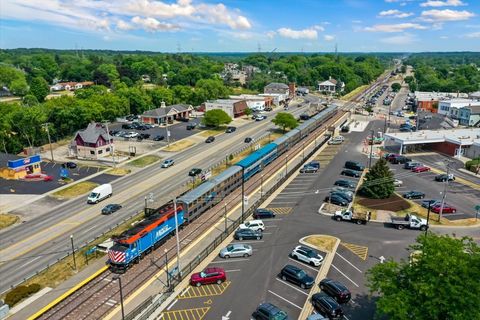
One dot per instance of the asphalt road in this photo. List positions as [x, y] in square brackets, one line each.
[29, 247]
[254, 280]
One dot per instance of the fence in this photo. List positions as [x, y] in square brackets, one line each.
[149, 305]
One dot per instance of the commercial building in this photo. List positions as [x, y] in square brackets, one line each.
[469, 116]
[19, 168]
[92, 143]
[429, 101]
[166, 114]
[277, 88]
[255, 102]
[454, 142]
[451, 107]
[234, 108]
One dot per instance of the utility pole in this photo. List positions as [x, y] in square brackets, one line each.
[166, 269]
[225, 215]
[45, 125]
[112, 153]
[243, 192]
[286, 165]
[121, 294]
[445, 189]
[168, 133]
[428, 217]
[176, 235]
[73, 253]
[371, 149]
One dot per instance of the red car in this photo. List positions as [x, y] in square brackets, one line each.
[420, 169]
[47, 178]
[391, 156]
[208, 276]
[446, 209]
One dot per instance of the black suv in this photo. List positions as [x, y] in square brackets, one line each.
[344, 195]
[230, 129]
[261, 213]
[354, 165]
[210, 139]
[414, 195]
[345, 184]
[194, 172]
[336, 290]
[326, 305]
[297, 276]
[444, 177]
[248, 234]
[400, 159]
[351, 173]
[268, 311]
[337, 200]
[111, 208]
[191, 126]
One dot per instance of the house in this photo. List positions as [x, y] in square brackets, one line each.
[57, 87]
[277, 88]
[451, 107]
[92, 143]
[166, 114]
[70, 86]
[4, 92]
[331, 86]
[302, 91]
[234, 108]
[474, 95]
[469, 116]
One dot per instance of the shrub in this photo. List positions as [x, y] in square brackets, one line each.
[21, 292]
[472, 164]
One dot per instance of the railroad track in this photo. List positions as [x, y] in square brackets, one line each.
[100, 296]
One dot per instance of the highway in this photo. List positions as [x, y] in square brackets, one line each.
[29, 247]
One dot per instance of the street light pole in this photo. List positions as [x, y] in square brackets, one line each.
[445, 190]
[428, 217]
[49, 140]
[176, 234]
[73, 253]
[225, 215]
[166, 269]
[112, 152]
[145, 209]
[121, 294]
[261, 186]
[286, 165]
[303, 151]
[371, 149]
[243, 193]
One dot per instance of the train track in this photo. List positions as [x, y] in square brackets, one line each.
[100, 296]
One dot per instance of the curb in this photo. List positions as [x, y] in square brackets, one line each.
[327, 262]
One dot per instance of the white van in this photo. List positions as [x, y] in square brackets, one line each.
[99, 193]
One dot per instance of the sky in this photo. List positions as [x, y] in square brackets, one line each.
[242, 25]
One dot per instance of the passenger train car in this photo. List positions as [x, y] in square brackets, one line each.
[133, 244]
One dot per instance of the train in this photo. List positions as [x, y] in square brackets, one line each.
[133, 244]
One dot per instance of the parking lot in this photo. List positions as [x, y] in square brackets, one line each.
[253, 280]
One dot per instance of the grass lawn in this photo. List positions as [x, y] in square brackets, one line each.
[7, 220]
[75, 190]
[212, 132]
[119, 171]
[179, 145]
[323, 243]
[144, 161]
[351, 94]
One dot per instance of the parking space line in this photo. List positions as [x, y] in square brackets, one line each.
[279, 296]
[338, 254]
[303, 264]
[234, 270]
[343, 274]
[170, 306]
[228, 261]
[288, 284]
[197, 314]
[256, 241]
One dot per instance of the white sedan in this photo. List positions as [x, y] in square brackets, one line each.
[397, 183]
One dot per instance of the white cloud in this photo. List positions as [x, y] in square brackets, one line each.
[319, 28]
[309, 33]
[473, 35]
[446, 15]
[151, 15]
[399, 27]
[270, 34]
[404, 39]
[403, 1]
[152, 24]
[395, 14]
[437, 3]
[328, 37]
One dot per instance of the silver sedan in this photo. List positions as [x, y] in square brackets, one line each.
[236, 250]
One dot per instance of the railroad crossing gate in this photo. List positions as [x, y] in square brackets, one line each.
[186, 314]
[360, 251]
[204, 291]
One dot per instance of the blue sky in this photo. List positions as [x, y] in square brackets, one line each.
[242, 25]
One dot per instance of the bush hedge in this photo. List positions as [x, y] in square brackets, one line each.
[21, 292]
[472, 164]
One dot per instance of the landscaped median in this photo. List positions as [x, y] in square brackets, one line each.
[75, 190]
[144, 161]
[180, 145]
[329, 245]
[7, 220]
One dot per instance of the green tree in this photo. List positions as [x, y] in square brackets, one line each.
[396, 86]
[285, 120]
[106, 74]
[216, 118]
[378, 182]
[29, 100]
[19, 87]
[403, 69]
[248, 111]
[39, 88]
[441, 281]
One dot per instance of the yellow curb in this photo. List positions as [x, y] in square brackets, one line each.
[458, 179]
[327, 262]
[68, 293]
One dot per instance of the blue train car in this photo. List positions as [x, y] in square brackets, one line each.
[258, 160]
[134, 243]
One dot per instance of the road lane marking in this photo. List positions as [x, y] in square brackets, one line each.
[343, 274]
[338, 254]
[228, 261]
[234, 270]
[171, 305]
[279, 296]
[294, 288]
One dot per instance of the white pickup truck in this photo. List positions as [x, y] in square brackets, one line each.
[409, 221]
[348, 215]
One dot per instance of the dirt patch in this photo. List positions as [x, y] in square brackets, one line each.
[394, 203]
[75, 190]
[323, 243]
[331, 208]
[179, 145]
[7, 220]
[119, 171]
[144, 161]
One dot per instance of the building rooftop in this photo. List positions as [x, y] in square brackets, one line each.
[230, 101]
[276, 85]
[427, 96]
[457, 136]
[162, 111]
[247, 97]
[462, 100]
[92, 132]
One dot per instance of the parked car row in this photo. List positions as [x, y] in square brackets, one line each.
[342, 193]
[373, 99]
